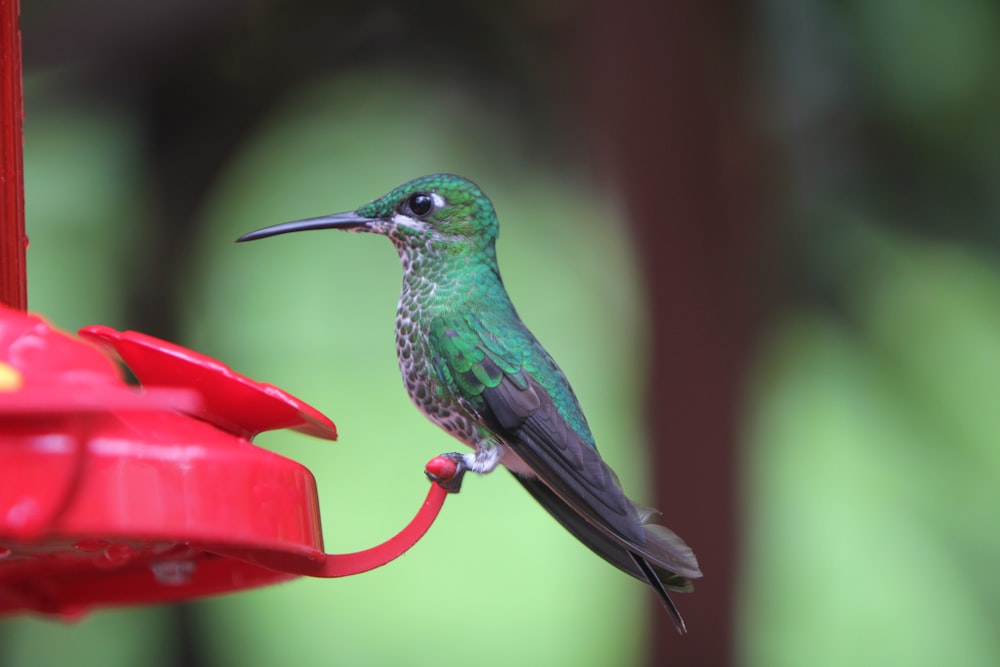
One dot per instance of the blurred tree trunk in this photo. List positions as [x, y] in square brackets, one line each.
[662, 82]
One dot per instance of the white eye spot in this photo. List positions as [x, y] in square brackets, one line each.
[403, 221]
[438, 200]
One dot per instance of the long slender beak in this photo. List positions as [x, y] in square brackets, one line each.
[349, 220]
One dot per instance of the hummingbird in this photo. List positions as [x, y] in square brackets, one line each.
[473, 368]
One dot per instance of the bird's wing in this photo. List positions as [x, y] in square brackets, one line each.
[520, 394]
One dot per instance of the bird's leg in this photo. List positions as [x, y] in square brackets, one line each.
[482, 461]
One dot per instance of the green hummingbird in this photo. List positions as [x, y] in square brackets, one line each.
[473, 368]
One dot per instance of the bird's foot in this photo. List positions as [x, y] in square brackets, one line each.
[447, 471]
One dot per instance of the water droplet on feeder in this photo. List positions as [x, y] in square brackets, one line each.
[91, 544]
[115, 555]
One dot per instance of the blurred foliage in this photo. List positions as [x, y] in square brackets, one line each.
[872, 467]
[113, 637]
[83, 183]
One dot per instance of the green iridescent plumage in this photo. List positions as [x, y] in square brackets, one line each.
[471, 366]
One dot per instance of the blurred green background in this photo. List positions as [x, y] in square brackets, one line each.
[866, 493]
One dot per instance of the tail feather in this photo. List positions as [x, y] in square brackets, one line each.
[658, 586]
[668, 550]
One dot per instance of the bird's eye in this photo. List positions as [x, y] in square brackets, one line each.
[420, 204]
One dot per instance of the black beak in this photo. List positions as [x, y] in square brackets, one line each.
[336, 221]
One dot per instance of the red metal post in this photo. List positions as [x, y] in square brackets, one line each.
[13, 241]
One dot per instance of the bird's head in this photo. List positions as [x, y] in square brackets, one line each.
[440, 212]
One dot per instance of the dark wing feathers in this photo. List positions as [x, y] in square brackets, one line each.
[489, 367]
[510, 403]
[594, 486]
[567, 463]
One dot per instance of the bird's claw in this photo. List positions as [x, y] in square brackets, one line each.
[447, 471]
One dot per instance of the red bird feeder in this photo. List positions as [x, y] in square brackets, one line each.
[113, 495]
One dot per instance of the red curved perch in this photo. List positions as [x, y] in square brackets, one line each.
[361, 561]
[325, 565]
[369, 559]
